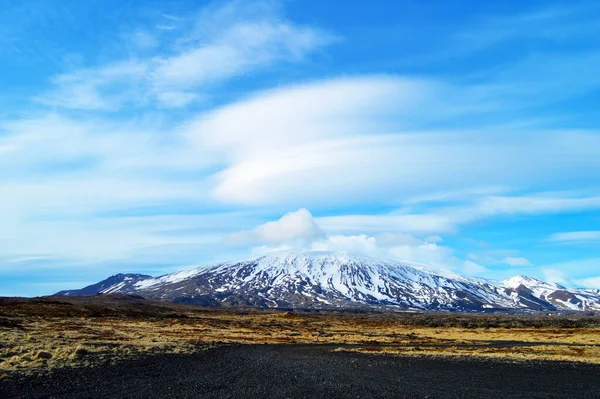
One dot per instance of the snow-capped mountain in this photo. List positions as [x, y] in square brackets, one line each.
[557, 295]
[341, 280]
[113, 284]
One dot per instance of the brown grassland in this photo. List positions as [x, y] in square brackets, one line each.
[40, 334]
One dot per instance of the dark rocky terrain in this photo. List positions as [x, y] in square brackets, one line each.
[124, 346]
[310, 371]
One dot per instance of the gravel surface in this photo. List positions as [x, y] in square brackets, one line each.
[309, 371]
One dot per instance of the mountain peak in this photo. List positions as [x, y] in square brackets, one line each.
[529, 282]
[341, 280]
[313, 255]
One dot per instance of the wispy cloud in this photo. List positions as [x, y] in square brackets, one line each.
[153, 154]
[575, 236]
[450, 219]
[104, 88]
[222, 42]
[360, 131]
[530, 58]
[552, 23]
[516, 261]
[554, 275]
[590, 282]
[573, 272]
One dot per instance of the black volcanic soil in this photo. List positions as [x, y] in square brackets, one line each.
[309, 371]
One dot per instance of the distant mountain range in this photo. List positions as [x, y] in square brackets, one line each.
[335, 280]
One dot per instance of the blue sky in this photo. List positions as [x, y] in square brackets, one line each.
[150, 136]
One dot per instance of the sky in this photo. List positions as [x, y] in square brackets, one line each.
[153, 136]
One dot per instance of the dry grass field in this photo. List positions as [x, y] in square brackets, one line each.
[42, 334]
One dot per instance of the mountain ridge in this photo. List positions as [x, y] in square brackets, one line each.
[339, 280]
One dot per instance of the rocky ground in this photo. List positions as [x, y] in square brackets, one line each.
[126, 346]
[310, 371]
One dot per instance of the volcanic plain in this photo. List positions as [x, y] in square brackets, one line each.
[41, 334]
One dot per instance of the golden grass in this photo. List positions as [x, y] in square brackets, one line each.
[42, 343]
[515, 353]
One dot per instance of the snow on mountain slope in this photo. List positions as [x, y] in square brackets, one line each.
[559, 296]
[114, 284]
[341, 280]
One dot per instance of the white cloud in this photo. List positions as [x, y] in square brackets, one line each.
[62, 168]
[575, 236]
[326, 144]
[345, 141]
[104, 88]
[316, 112]
[175, 99]
[387, 240]
[411, 250]
[450, 219]
[412, 223]
[576, 268]
[70, 187]
[434, 239]
[267, 249]
[427, 254]
[361, 244]
[555, 275]
[236, 49]
[229, 40]
[590, 282]
[470, 267]
[535, 204]
[299, 230]
[516, 261]
[297, 226]
[457, 196]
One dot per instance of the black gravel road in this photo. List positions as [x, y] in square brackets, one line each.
[309, 371]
